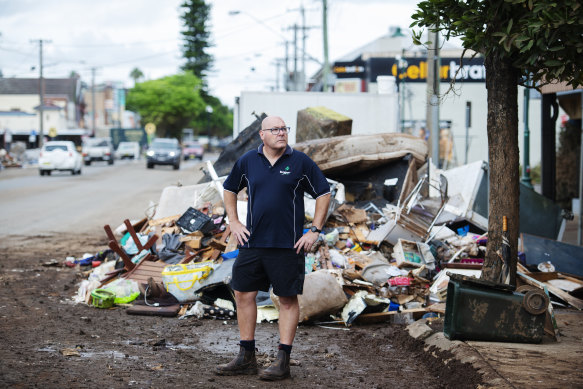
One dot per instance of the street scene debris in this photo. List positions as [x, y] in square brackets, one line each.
[402, 238]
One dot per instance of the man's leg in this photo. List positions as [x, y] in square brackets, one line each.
[245, 362]
[289, 314]
[246, 314]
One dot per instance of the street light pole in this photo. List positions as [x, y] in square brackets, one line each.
[526, 156]
[209, 111]
[93, 101]
[325, 70]
[42, 95]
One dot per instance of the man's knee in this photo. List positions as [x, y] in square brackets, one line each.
[245, 298]
[288, 302]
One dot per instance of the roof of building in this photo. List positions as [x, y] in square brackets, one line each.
[49, 107]
[16, 113]
[30, 86]
[397, 42]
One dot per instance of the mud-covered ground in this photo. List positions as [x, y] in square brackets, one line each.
[50, 342]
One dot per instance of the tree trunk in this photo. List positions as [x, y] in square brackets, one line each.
[502, 86]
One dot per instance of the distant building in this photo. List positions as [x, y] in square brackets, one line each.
[20, 106]
[110, 108]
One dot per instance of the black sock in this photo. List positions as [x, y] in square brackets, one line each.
[248, 345]
[285, 347]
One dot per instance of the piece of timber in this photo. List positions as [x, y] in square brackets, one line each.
[127, 262]
[216, 253]
[378, 317]
[163, 220]
[137, 241]
[573, 301]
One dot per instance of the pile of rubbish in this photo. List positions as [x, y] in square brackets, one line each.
[397, 229]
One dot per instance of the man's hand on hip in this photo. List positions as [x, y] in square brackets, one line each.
[240, 232]
[306, 241]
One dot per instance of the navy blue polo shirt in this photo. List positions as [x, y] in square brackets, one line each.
[275, 209]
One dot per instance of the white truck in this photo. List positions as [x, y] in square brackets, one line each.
[371, 113]
[98, 149]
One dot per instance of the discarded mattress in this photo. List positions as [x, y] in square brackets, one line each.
[354, 153]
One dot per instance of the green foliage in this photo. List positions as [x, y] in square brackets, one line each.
[541, 38]
[176, 102]
[196, 37]
[170, 102]
[535, 174]
[218, 122]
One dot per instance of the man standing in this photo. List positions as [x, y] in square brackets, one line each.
[7, 140]
[271, 244]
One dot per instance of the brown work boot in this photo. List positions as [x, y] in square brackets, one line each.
[278, 370]
[244, 363]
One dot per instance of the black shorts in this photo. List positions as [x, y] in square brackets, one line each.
[257, 268]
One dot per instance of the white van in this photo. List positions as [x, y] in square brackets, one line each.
[128, 150]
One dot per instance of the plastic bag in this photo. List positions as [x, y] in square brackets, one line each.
[125, 290]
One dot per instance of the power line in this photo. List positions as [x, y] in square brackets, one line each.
[15, 51]
[136, 59]
[89, 46]
[125, 44]
[245, 53]
[246, 26]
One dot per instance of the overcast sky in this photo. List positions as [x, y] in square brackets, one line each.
[116, 36]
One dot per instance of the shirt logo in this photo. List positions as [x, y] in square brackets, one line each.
[285, 171]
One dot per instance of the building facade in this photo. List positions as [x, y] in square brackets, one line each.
[20, 107]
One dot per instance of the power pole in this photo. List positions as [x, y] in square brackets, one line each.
[432, 113]
[285, 79]
[278, 63]
[525, 179]
[93, 101]
[468, 125]
[304, 36]
[295, 27]
[41, 94]
[325, 70]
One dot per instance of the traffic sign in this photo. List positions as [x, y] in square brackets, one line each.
[150, 128]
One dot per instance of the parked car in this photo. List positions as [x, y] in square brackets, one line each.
[164, 151]
[98, 149]
[224, 142]
[192, 149]
[59, 155]
[128, 150]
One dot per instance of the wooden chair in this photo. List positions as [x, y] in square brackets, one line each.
[114, 245]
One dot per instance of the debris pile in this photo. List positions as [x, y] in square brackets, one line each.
[396, 230]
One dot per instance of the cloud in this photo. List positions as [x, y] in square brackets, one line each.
[248, 48]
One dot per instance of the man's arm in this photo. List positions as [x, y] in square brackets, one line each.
[308, 239]
[237, 228]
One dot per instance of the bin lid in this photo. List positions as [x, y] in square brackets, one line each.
[480, 283]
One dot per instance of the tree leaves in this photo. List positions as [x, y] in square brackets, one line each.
[168, 102]
[196, 37]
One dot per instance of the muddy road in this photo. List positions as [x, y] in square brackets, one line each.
[50, 342]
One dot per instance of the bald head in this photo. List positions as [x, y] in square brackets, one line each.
[271, 122]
